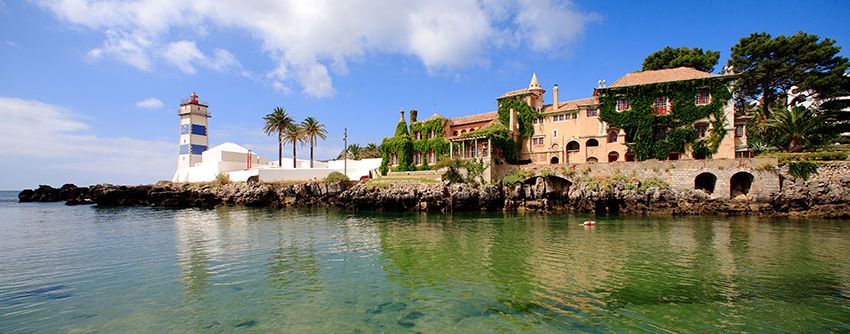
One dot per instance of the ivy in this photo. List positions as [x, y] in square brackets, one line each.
[500, 139]
[404, 144]
[525, 115]
[640, 122]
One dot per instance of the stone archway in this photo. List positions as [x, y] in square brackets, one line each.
[554, 161]
[613, 156]
[705, 182]
[592, 159]
[740, 184]
[573, 146]
[592, 143]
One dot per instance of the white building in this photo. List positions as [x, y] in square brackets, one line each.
[197, 163]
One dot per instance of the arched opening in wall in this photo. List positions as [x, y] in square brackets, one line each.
[613, 156]
[630, 156]
[554, 160]
[592, 159]
[572, 146]
[740, 184]
[705, 182]
[592, 143]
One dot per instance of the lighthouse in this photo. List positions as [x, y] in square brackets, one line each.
[193, 135]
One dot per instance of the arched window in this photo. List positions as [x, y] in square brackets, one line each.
[612, 136]
[613, 156]
[592, 159]
[572, 146]
[630, 156]
[554, 160]
[592, 143]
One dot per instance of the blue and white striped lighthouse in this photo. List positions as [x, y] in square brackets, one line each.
[193, 134]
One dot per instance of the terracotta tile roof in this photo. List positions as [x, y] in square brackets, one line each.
[487, 116]
[515, 93]
[657, 76]
[571, 104]
[434, 116]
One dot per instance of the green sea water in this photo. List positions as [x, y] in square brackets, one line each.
[149, 270]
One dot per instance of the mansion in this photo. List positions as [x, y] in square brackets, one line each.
[669, 114]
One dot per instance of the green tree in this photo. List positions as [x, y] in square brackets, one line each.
[277, 121]
[769, 67]
[372, 151]
[313, 130]
[355, 152]
[293, 134]
[797, 128]
[677, 57]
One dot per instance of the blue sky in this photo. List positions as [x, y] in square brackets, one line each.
[89, 89]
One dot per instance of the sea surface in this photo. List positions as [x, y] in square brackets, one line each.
[85, 269]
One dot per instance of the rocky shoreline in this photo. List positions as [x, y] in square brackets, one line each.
[826, 195]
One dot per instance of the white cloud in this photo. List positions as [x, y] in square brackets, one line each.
[310, 41]
[52, 138]
[185, 55]
[149, 103]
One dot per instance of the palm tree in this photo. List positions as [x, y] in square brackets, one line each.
[277, 121]
[313, 130]
[354, 151]
[372, 151]
[797, 127]
[293, 134]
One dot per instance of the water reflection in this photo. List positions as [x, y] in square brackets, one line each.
[623, 273]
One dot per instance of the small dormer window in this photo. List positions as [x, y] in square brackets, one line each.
[622, 104]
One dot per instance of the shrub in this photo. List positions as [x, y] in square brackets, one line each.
[766, 166]
[811, 156]
[222, 178]
[335, 177]
[652, 182]
[802, 169]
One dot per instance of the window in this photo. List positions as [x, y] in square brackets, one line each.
[432, 156]
[592, 112]
[394, 159]
[661, 105]
[702, 97]
[417, 158]
[739, 130]
[555, 133]
[660, 132]
[612, 136]
[592, 143]
[537, 141]
[455, 132]
[702, 131]
[536, 121]
[572, 146]
[559, 118]
[418, 135]
[431, 135]
[622, 104]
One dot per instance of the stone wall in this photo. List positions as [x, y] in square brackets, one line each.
[679, 174]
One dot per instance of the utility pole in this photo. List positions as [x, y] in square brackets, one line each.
[345, 152]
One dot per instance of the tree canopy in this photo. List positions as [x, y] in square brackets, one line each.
[669, 57]
[770, 66]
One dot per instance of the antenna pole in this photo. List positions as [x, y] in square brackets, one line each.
[345, 152]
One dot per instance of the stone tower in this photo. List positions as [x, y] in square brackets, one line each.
[193, 135]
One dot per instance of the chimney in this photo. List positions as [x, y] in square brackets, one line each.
[513, 116]
[401, 119]
[555, 93]
[413, 114]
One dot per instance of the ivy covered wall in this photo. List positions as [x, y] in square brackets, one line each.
[641, 123]
[404, 144]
